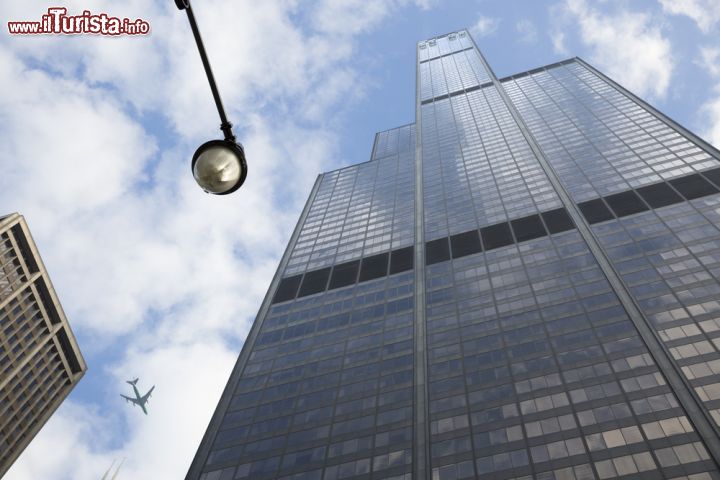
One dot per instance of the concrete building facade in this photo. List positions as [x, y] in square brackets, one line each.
[40, 362]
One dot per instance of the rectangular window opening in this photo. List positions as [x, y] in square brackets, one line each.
[595, 211]
[558, 220]
[314, 282]
[374, 267]
[344, 274]
[402, 260]
[626, 203]
[693, 186]
[287, 289]
[528, 228]
[437, 251]
[659, 195]
[496, 236]
[466, 243]
[713, 175]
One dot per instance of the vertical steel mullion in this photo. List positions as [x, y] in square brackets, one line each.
[421, 450]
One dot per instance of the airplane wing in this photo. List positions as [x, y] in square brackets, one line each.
[145, 397]
[133, 400]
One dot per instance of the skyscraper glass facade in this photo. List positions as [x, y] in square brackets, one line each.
[522, 284]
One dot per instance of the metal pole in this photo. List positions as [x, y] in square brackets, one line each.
[225, 125]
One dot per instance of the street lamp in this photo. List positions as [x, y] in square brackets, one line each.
[218, 165]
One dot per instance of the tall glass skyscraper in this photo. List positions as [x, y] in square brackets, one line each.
[525, 283]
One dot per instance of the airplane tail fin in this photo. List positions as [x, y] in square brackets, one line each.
[133, 382]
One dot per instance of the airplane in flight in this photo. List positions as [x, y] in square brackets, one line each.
[139, 400]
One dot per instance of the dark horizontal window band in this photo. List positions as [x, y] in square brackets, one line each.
[401, 260]
[467, 243]
[374, 267]
[626, 203]
[595, 211]
[616, 205]
[558, 220]
[437, 251]
[498, 235]
[344, 274]
[446, 55]
[713, 175]
[656, 195]
[660, 195]
[528, 228]
[287, 289]
[693, 186]
[456, 93]
[314, 282]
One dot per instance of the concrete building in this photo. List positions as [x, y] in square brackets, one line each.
[40, 361]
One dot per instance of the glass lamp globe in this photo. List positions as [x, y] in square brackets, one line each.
[219, 166]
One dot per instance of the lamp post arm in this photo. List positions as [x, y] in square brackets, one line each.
[225, 124]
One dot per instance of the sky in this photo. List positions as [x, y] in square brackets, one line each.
[162, 281]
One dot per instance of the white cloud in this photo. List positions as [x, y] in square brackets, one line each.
[78, 442]
[351, 17]
[710, 60]
[527, 32]
[710, 111]
[626, 45]
[101, 142]
[140, 256]
[84, 433]
[705, 13]
[558, 42]
[112, 247]
[484, 26]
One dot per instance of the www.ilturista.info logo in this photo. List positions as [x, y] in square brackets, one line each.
[57, 21]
